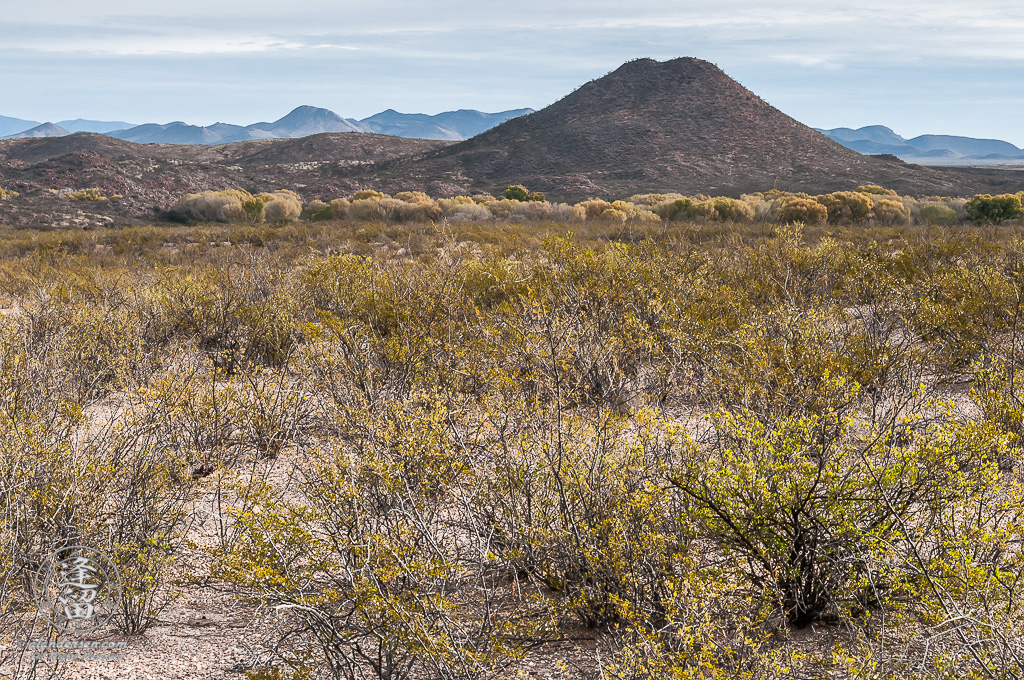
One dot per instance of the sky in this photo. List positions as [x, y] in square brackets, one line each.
[918, 67]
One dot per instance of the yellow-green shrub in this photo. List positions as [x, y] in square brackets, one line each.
[90, 195]
[281, 206]
[786, 209]
[724, 209]
[614, 216]
[314, 208]
[994, 209]
[501, 208]
[472, 212]
[370, 208]
[890, 213]
[447, 204]
[846, 207]
[366, 194]
[219, 206]
[652, 200]
[875, 190]
[594, 208]
[673, 209]
[413, 197]
[938, 214]
[339, 208]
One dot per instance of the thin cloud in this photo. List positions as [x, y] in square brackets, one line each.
[175, 45]
[918, 61]
[807, 60]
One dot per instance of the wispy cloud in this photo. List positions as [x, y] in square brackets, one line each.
[806, 60]
[800, 32]
[922, 61]
[170, 45]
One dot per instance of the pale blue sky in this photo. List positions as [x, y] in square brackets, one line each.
[918, 67]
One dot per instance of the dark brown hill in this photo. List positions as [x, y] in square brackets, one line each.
[333, 147]
[47, 148]
[151, 177]
[327, 146]
[680, 125]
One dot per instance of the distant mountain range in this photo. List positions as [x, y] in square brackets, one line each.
[101, 126]
[648, 127]
[927, 149]
[452, 125]
[302, 122]
[11, 126]
[44, 130]
[16, 128]
[465, 124]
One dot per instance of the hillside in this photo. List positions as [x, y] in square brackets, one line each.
[680, 125]
[151, 177]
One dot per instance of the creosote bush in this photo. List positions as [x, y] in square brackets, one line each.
[869, 205]
[281, 206]
[789, 209]
[890, 213]
[875, 190]
[724, 209]
[93, 195]
[941, 215]
[449, 438]
[517, 192]
[214, 206]
[846, 207]
[994, 209]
